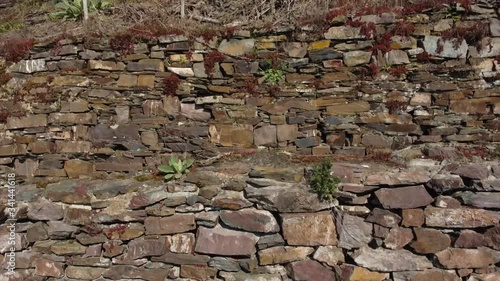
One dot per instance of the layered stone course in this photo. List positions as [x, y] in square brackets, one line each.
[125, 229]
[109, 109]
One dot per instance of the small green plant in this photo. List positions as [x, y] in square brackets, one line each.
[323, 182]
[4, 27]
[273, 76]
[73, 9]
[452, 12]
[176, 167]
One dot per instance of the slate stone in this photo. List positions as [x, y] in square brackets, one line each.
[286, 199]
[353, 231]
[355, 58]
[460, 218]
[432, 274]
[67, 247]
[283, 254]
[383, 218]
[442, 183]
[225, 242]
[360, 273]
[483, 200]
[147, 198]
[309, 229]
[413, 217]
[401, 178]
[45, 210]
[271, 240]
[29, 66]
[329, 255]
[492, 237]
[469, 239]
[242, 276]
[180, 259]
[236, 47]
[404, 197]
[431, 44]
[233, 200]
[428, 241]
[390, 260]
[224, 264]
[310, 270]
[251, 220]
[60, 230]
[83, 273]
[119, 272]
[169, 225]
[398, 237]
[37, 232]
[48, 268]
[447, 202]
[265, 136]
[456, 258]
[198, 272]
[472, 171]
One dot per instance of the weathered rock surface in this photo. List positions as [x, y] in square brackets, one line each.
[465, 258]
[250, 220]
[460, 218]
[390, 260]
[403, 197]
[281, 255]
[309, 229]
[353, 231]
[221, 241]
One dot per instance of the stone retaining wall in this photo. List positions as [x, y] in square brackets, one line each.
[235, 222]
[96, 110]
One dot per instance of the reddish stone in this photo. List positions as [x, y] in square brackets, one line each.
[430, 241]
[221, 241]
[383, 218]
[469, 239]
[398, 237]
[447, 202]
[453, 258]
[140, 248]
[251, 220]
[49, 268]
[310, 270]
[472, 171]
[45, 211]
[492, 237]
[169, 225]
[403, 197]
[413, 217]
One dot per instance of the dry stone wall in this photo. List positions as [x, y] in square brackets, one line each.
[241, 222]
[379, 81]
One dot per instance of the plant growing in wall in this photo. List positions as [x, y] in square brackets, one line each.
[176, 167]
[322, 181]
[273, 76]
[171, 84]
[73, 9]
